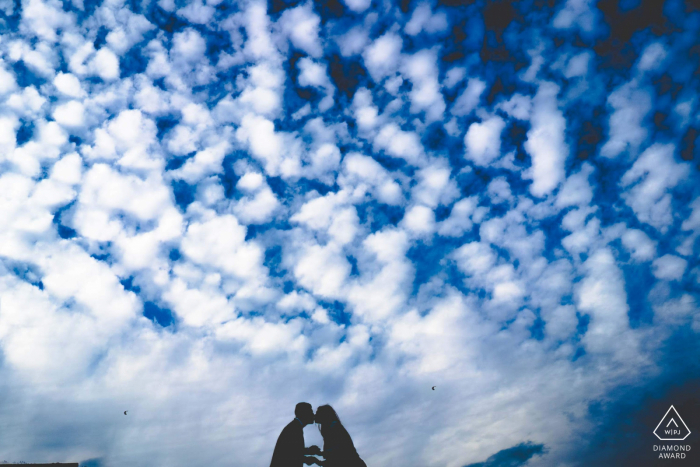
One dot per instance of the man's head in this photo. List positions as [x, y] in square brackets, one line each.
[304, 413]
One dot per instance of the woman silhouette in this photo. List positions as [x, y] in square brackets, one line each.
[338, 449]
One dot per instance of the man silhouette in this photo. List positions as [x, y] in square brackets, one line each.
[290, 450]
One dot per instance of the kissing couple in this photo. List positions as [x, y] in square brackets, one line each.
[338, 450]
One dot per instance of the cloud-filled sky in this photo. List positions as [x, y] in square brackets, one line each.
[213, 210]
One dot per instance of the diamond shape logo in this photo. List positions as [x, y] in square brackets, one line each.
[672, 427]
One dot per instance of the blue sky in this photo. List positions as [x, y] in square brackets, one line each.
[212, 211]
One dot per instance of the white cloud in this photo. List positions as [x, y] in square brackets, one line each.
[648, 181]
[483, 141]
[257, 25]
[43, 19]
[583, 234]
[434, 185]
[576, 190]
[323, 270]
[189, 45]
[626, 132]
[126, 137]
[199, 306]
[220, 243]
[510, 232]
[419, 220]
[45, 147]
[422, 336]
[268, 146]
[669, 267]
[475, 258]
[71, 114]
[499, 190]
[330, 214]
[150, 99]
[105, 64]
[128, 33]
[353, 42]
[454, 76]
[693, 222]
[358, 6]
[580, 13]
[578, 65]
[7, 7]
[68, 169]
[297, 301]
[262, 93]
[260, 204]
[324, 162]
[652, 57]
[205, 162]
[672, 311]
[301, 25]
[518, 106]
[265, 338]
[381, 292]
[314, 74]
[398, 143]
[468, 98]
[460, 220]
[382, 56]
[392, 86]
[561, 322]
[576, 218]
[28, 103]
[366, 114]
[601, 294]
[251, 181]
[423, 19]
[640, 246]
[105, 188]
[421, 69]
[545, 141]
[41, 57]
[197, 12]
[362, 173]
[7, 81]
[8, 137]
[69, 85]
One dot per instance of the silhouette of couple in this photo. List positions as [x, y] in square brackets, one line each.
[338, 450]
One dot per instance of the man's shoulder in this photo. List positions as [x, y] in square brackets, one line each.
[294, 425]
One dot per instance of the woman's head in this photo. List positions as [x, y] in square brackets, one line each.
[325, 415]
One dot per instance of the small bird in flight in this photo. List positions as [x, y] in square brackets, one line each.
[125, 412]
[433, 388]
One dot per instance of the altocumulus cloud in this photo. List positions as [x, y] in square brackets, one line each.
[213, 210]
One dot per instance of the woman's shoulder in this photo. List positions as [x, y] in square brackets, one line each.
[335, 427]
[337, 432]
[340, 429]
